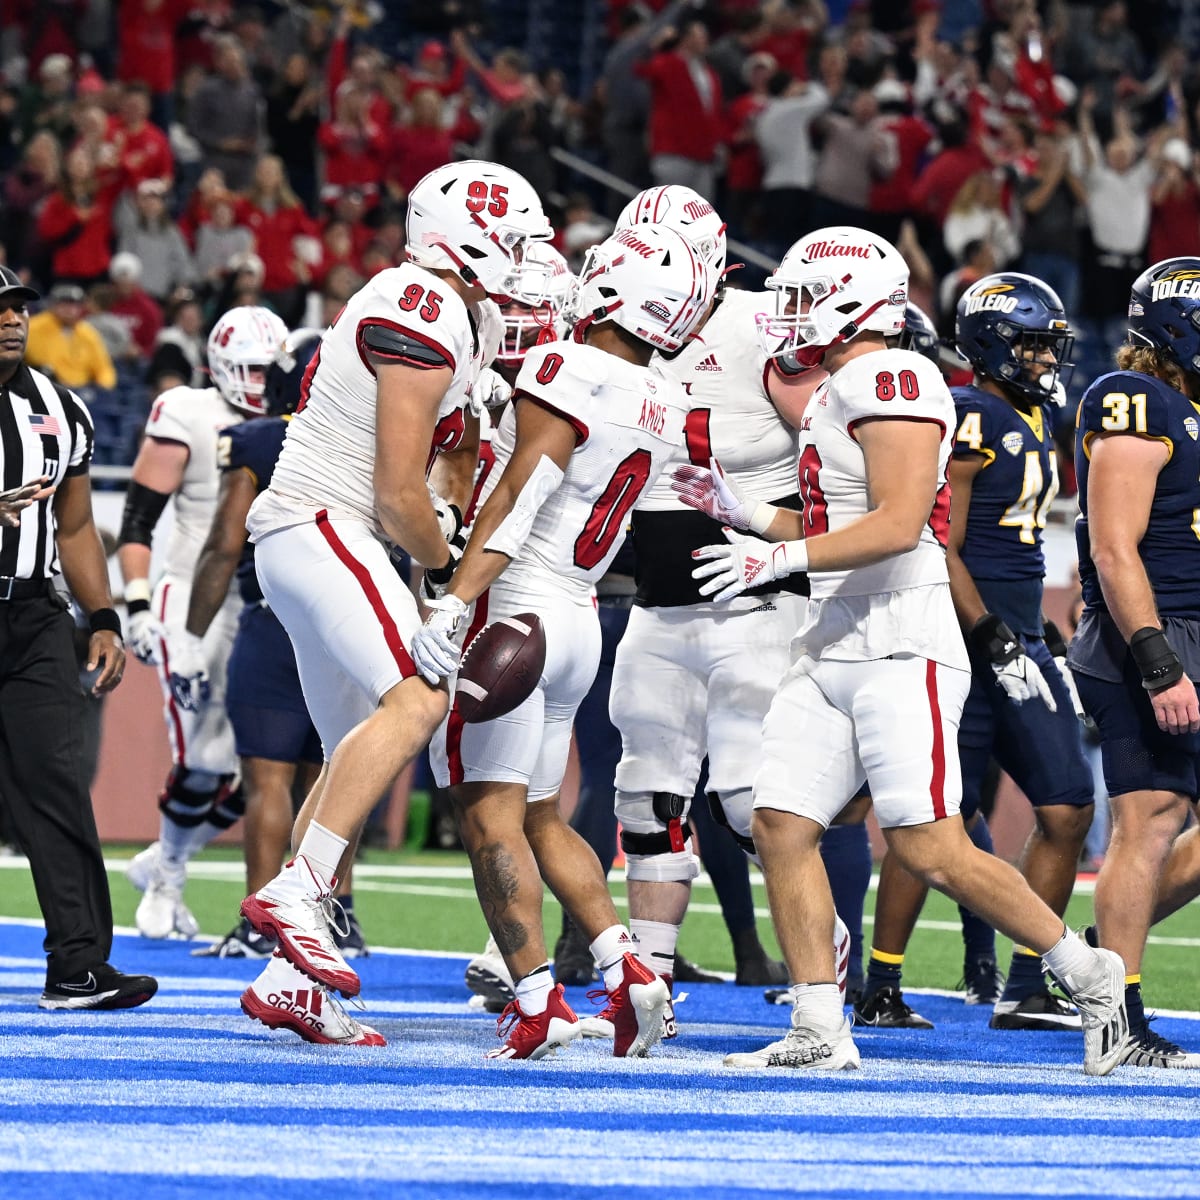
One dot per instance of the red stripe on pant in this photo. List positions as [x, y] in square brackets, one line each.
[454, 726]
[172, 708]
[391, 635]
[937, 781]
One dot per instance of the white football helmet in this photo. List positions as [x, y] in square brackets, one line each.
[851, 280]
[647, 280]
[478, 219]
[241, 347]
[532, 325]
[688, 213]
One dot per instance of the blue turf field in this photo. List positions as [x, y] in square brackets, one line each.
[185, 1097]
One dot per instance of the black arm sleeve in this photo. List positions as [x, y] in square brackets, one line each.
[394, 345]
[143, 507]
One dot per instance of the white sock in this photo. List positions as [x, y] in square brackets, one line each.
[817, 1006]
[1068, 956]
[324, 850]
[656, 944]
[533, 991]
[608, 953]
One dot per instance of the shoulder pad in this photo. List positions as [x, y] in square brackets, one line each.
[390, 342]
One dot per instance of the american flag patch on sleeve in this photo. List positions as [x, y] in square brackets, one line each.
[41, 423]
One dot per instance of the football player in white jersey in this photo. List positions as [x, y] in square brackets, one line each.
[386, 395]
[879, 672]
[593, 425]
[694, 678]
[178, 459]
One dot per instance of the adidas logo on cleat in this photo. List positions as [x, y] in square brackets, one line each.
[801, 1058]
[298, 1005]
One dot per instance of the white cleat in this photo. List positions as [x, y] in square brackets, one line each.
[1099, 994]
[161, 912]
[143, 866]
[488, 976]
[283, 998]
[803, 1049]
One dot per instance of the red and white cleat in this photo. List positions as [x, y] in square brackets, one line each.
[637, 1011]
[535, 1037]
[283, 998]
[295, 908]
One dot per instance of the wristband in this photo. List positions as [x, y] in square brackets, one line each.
[137, 596]
[1158, 663]
[105, 619]
[442, 575]
[761, 518]
[1055, 642]
[992, 638]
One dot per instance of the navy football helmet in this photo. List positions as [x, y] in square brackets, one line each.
[919, 333]
[1164, 311]
[281, 392]
[1004, 325]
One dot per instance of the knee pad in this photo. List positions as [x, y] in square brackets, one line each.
[189, 796]
[734, 811]
[229, 803]
[656, 836]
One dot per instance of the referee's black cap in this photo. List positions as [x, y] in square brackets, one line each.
[12, 290]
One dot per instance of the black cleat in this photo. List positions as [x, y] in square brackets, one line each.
[101, 988]
[688, 972]
[348, 936]
[243, 941]
[982, 981]
[885, 1008]
[573, 962]
[1149, 1049]
[761, 970]
[1042, 1010]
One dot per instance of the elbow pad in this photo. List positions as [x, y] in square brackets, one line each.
[511, 533]
[143, 507]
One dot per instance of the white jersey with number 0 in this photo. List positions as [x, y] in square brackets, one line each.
[328, 459]
[723, 371]
[629, 422]
[193, 417]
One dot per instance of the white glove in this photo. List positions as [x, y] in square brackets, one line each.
[144, 636]
[1017, 673]
[433, 650]
[449, 516]
[489, 391]
[711, 491]
[746, 562]
[1072, 691]
[189, 672]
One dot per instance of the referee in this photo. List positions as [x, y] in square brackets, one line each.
[46, 524]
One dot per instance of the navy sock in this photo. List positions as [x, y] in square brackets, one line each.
[727, 867]
[1026, 976]
[347, 903]
[1133, 1003]
[846, 851]
[979, 938]
[883, 970]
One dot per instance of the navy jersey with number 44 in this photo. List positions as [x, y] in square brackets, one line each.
[1128, 402]
[255, 447]
[1010, 496]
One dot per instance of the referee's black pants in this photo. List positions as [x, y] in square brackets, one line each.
[44, 782]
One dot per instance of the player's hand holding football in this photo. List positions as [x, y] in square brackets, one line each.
[433, 649]
[1017, 673]
[745, 562]
[711, 491]
[189, 672]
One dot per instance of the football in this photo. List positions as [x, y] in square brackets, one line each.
[500, 667]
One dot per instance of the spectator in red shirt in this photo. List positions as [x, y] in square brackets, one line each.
[686, 132]
[277, 219]
[143, 149]
[418, 146]
[337, 250]
[140, 312]
[505, 80]
[744, 172]
[355, 147]
[433, 70]
[360, 71]
[97, 133]
[940, 181]
[891, 198]
[146, 49]
[791, 30]
[1175, 204]
[75, 224]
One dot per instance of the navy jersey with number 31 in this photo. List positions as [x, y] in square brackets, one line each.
[1128, 402]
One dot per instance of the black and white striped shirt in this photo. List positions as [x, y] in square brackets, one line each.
[45, 429]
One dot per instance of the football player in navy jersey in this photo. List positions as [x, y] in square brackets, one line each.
[1137, 648]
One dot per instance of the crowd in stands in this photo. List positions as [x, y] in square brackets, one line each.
[162, 160]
